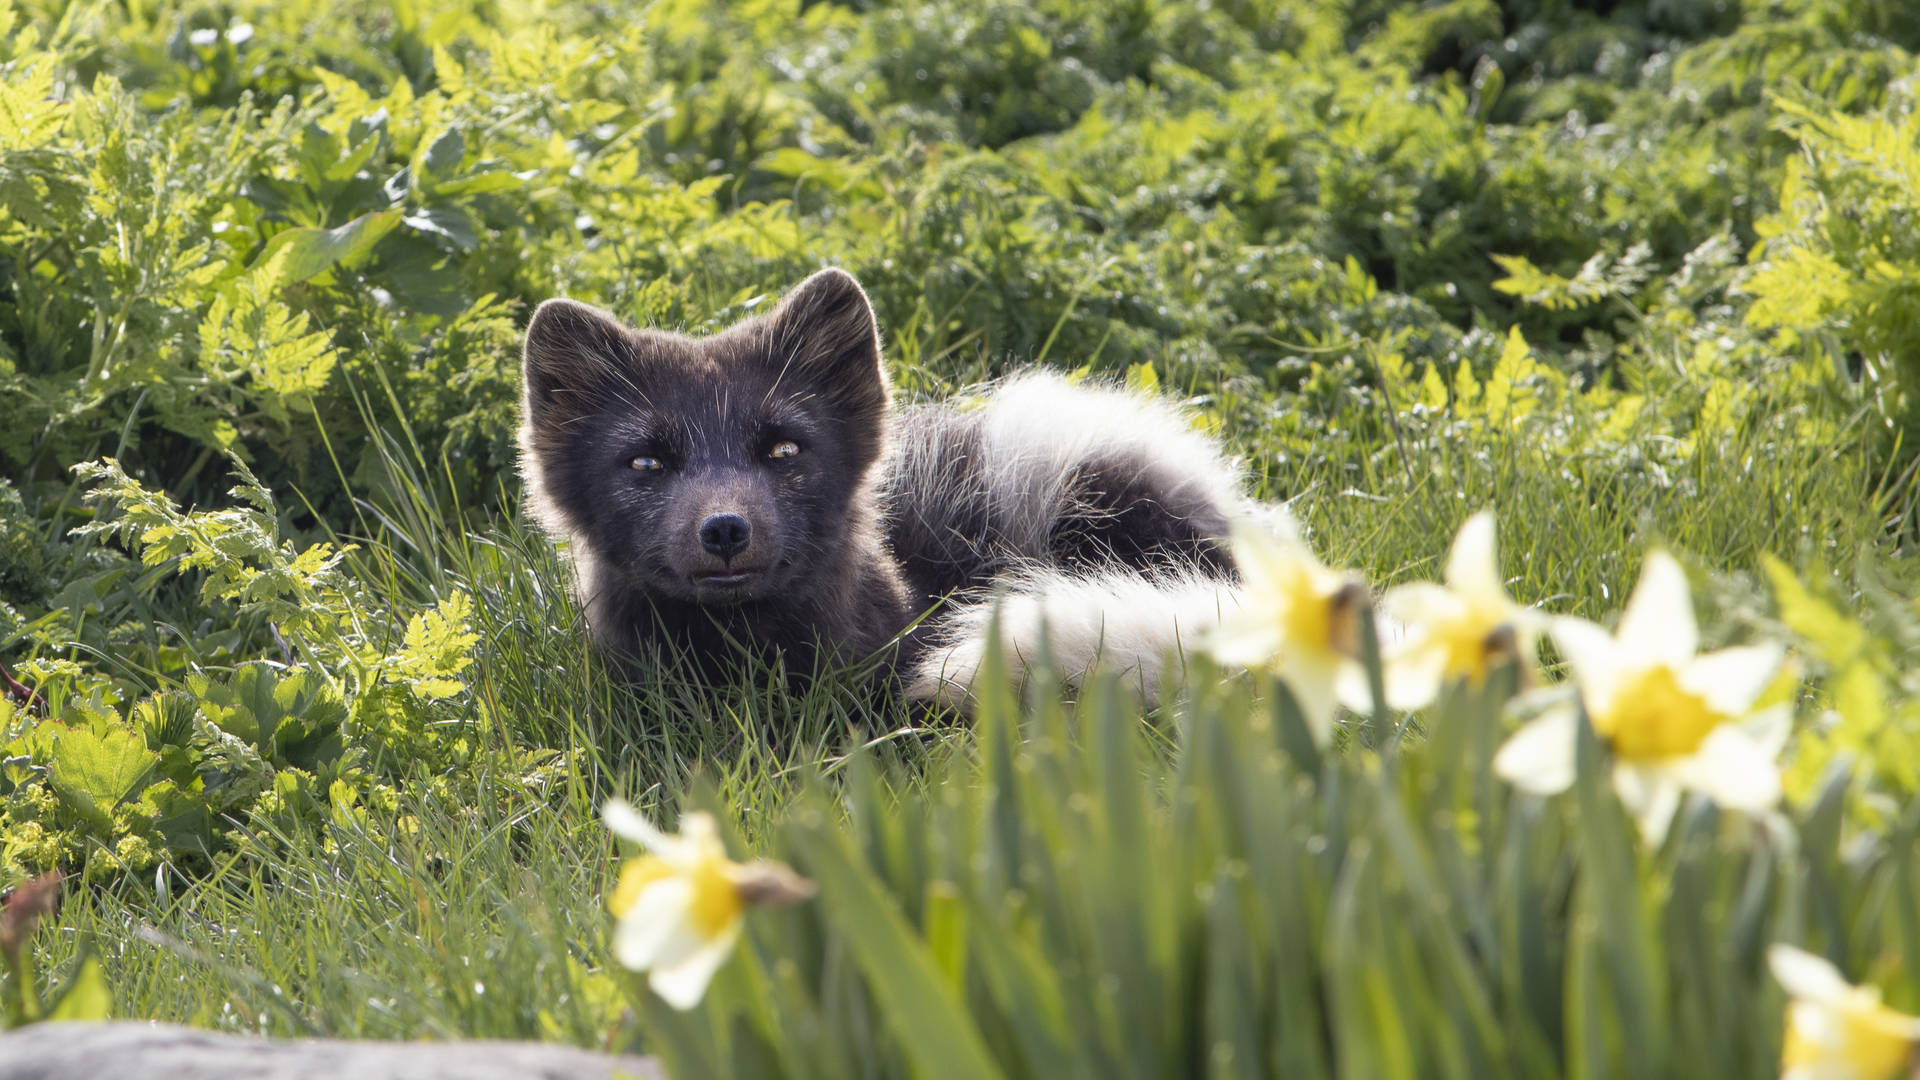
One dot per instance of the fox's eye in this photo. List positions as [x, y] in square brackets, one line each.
[645, 464]
[785, 448]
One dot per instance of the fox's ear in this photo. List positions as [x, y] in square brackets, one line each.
[826, 327]
[572, 349]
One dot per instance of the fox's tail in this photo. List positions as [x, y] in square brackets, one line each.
[1124, 623]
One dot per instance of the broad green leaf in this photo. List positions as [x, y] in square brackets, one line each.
[182, 818]
[306, 252]
[921, 1007]
[1023, 980]
[441, 158]
[946, 930]
[97, 772]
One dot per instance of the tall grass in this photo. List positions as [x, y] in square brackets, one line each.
[448, 916]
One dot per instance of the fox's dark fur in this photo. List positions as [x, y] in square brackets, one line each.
[872, 519]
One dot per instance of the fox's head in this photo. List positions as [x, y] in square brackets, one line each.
[715, 470]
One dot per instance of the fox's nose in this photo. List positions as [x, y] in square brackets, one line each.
[725, 535]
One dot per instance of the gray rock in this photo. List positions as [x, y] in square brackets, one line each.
[164, 1052]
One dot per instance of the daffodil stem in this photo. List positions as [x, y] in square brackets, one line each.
[1386, 735]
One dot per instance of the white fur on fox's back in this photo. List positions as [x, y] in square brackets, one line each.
[1037, 428]
[1122, 623]
[993, 481]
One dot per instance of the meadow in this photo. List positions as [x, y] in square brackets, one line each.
[318, 746]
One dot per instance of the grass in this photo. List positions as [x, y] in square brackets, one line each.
[482, 918]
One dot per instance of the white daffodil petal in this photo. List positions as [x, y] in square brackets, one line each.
[1657, 627]
[1350, 688]
[1729, 680]
[1394, 635]
[1806, 976]
[1269, 524]
[1539, 758]
[683, 984]
[1286, 526]
[647, 931]
[1413, 678]
[1529, 620]
[1417, 604]
[1472, 566]
[1590, 652]
[1770, 728]
[1314, 690]
[682, 944]
[1731, 769]
[701, 833]
[1263, 558]
[1651, 795]
[1243, 640]
[624, 821]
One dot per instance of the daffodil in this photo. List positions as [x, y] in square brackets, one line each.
[1835, 1030]
[681, 905]
[1457, 631]
[1675, 720]
[1298, 619]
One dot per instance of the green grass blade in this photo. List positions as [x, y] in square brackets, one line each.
[926, 1016]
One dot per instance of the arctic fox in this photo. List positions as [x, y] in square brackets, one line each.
[755, 491]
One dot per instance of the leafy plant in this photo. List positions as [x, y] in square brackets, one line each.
[1839, 269]
[356, 698]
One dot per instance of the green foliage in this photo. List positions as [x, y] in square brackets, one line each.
[247, 237]
[1601, 277]
[1840, 269]
[332, 732]
[360, 699]
[1871, 700]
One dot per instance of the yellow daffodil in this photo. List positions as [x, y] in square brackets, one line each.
[1835, 1030]
[1458, 631]
[680, 905]
[1299, 620]
[1676, 721]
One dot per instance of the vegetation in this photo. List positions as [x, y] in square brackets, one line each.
[321, 749]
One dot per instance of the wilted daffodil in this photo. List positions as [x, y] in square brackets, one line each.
[1675, 720]
[1835, 1030]
[1457, 631]
[680, 905]
[1299, 620]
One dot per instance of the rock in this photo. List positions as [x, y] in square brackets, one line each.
[165, 1052]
